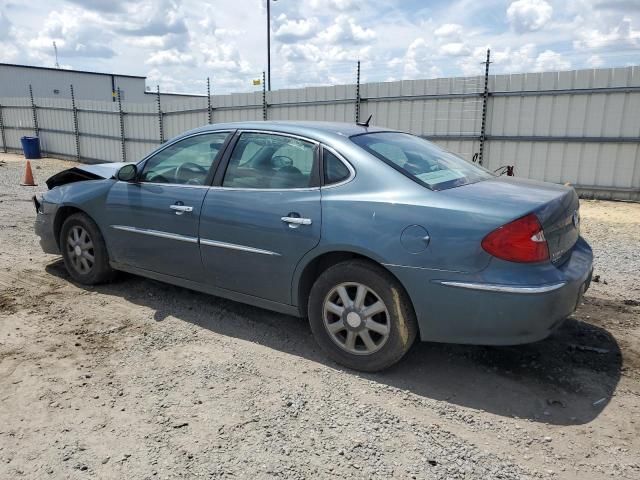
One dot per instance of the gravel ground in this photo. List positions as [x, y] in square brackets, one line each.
[138, 379]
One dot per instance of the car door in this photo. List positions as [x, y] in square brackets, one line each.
[153, 221]
[262, 214]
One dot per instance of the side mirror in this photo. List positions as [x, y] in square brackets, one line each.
[127, 173]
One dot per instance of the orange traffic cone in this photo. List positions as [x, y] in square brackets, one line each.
[27, 181]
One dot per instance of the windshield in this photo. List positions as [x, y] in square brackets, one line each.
[421, 160]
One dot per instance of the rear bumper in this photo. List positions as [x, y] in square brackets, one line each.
[487, 310]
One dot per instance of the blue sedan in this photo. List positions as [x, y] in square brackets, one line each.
[376, 236]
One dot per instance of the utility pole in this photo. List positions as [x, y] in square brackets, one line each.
[55, 50]
[485, 98]
[269, 44]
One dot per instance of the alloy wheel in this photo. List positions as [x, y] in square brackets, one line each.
[80, 249]
[356, 318]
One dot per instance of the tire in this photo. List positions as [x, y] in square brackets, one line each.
[80, 242]
[393, 329]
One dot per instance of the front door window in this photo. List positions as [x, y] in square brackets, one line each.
[186, 162]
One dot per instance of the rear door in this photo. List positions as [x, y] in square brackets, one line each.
[153, 222]
[262, 216]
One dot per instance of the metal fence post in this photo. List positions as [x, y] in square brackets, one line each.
[358, 93]
[76, 130]
[485, 98]
[122, 138]
[4, 139]
[160, 127]
[264, 99]
[36, 129]
[209, 113]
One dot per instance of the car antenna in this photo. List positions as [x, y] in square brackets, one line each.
[365, 124]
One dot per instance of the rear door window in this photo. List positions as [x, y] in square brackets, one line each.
[270, 161]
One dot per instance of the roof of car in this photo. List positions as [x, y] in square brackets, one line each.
[308, 128]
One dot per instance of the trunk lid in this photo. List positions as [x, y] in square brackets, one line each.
[508, 198]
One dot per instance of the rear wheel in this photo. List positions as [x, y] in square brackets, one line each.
[84, 252]
[361, 316]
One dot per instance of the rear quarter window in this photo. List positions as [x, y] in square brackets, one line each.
[423, 161]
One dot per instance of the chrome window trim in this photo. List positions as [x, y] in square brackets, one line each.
[181, 185]
[234, 246]
[492, 287]
[241, 189]
[282, 134]
[352, 171]
[156, 233]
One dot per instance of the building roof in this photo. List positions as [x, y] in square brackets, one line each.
[69, 70]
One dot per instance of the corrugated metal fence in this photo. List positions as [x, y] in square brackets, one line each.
[579, 126]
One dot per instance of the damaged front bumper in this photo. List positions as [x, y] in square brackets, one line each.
[44, 225]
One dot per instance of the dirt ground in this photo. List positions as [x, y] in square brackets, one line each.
[137, 379]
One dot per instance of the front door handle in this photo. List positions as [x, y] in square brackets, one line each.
[293, 221]
[180, 209]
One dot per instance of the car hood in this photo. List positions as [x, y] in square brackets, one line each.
[85, 172]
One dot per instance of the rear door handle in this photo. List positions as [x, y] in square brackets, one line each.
[292, 221]
[180, 209]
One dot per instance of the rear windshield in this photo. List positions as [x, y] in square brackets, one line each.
[423, 161]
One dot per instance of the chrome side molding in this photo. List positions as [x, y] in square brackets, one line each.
[156, 233]
[185, 238]
[233, 246]
[492, 287]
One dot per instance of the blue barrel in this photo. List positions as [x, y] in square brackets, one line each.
[31, 147]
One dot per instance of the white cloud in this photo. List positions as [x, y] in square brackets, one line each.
[449, 30]
[77, 33]
[622, 35]
[418, 60]
[224, 58]
[330, 5]
[5, 25]
[551, 61]
[170, 57]
[345, 30]
[290, 31]
[455, 49]
[595, 61]
[181, 42]
[528, 15]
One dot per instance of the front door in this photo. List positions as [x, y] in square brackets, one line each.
[263, 217]
[153, 222]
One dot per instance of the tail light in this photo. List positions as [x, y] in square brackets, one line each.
[519, 241]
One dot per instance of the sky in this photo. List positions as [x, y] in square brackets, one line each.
[177, 44]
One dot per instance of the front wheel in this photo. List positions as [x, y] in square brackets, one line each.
[84, 252]
[361, 316]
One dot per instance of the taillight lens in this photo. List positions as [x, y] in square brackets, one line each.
[519, 241]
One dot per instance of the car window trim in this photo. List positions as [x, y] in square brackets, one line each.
[341, 158]
[212, 168]
[316, 175]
